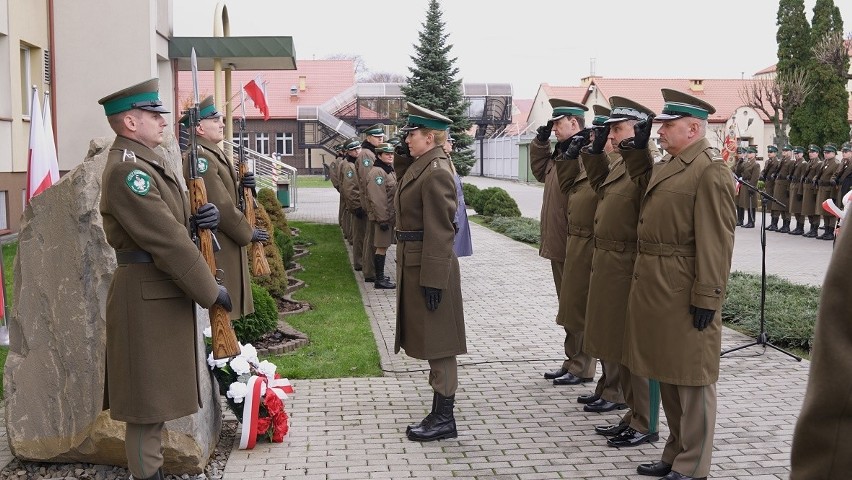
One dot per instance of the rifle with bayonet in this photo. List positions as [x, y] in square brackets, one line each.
[260, 266]
[225, 344]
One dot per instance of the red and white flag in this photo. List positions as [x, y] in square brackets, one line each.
[729, 146]
[42, 167]
[257, 93]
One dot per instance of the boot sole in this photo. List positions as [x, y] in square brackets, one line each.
[432, 439]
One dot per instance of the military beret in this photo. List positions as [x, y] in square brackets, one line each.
[772, 149]
[830, 147]
[377, 130]
[566, 108]
[847, 147]
[384, 148]
[814, 148]
[601, 115]
[352, 144]
[798, 149]
[678, 104]
[787, 148]
[144, 96]
[420, 117]
[626, 109]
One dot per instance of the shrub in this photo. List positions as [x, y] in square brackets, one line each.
[482, 197]
[522, 229]
[501, 204]
[267, 198]
[470, 193]
[262, 321]
[285, 246]
[790, 309]
[276, 282]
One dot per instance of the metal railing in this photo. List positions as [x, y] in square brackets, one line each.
[268, 171]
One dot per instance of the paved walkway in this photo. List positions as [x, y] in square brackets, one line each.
[512, 423]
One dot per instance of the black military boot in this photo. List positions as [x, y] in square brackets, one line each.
[812, 233]
[785, 227]
[750, 223]
[740, 215]
[773, 226]
[416, 425]
[439, 424]
[382, 281]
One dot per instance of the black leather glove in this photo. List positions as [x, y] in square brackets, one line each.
[360, 213]
[642, 133]
[601, 134]
[384, 227]
[576, 143]
[789, 178]
[543, 132]
[833, 182]
[816, 182]
[701, 317]
[259, 235]
[402, 147]
[249, 181]
[207, 217]
[433, 298]
[762, 178]
[224, 299]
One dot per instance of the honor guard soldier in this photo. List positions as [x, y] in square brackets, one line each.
[800, 166]
[429, 314]
[568, 118]
[224, 189]
[809, 190]
[767, 175]
[746, 197]
[686, 239]
[152, 361]
[350, 190]
[374, 136]
[843, 175]
[782, 190]
[826, 189]
[381, 188]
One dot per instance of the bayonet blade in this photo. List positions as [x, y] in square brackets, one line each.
[194, 62]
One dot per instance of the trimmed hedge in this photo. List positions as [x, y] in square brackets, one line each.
[790, 309]
[522, 229]
[267, 198]
[470, 193]
[284, 243]
[263, 320]
[276, 283]
[479, 200]
[501, 204]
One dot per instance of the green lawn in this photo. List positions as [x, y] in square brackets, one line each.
[341, 340]
[9, 252]
[312, 181]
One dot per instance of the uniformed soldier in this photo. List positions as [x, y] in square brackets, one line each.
[350, 189]
[568, 119]
[334, 176]
[746, 197]
[615, 242]
[809, 189]
[554, 222]
[152, 373]
[429, 314]
[374, 136]
[224, 189]
[820, 441]
[800, 166]
[827, 190]
[686, 239]
[381, 188]
[843, 175]
[781, 192]
[767, 175]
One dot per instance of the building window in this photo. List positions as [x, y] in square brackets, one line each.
[284, 144]
[261, 142]
[245, 140]
[26, 81]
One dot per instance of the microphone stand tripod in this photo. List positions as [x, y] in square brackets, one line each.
[762, 339]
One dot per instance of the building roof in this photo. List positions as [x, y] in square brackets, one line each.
[723, 94]
[574, 94]
[323, 80]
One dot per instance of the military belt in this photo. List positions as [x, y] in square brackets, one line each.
[666, 250]
[133, 256]
[615, 245]
[409, 235]
[579, 231]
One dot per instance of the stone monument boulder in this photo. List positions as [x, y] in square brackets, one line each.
[54, 374]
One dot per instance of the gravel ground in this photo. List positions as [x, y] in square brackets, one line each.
[18, 469]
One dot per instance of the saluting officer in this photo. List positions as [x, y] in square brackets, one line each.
[429, 314]
[768, 175]
[826, 189]
[746, 198]
[800, 166]
[781, 192]
[224, 190]
[809, 189]
[686, 239]
[381, 188]
[374, 136]
[152, 372]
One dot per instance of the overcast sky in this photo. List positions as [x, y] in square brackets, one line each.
[523, 43]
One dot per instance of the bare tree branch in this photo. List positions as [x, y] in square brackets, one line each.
[830, 50]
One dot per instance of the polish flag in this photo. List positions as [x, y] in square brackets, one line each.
[258, 95]
[42, 167]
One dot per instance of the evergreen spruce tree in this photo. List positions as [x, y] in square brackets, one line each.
[794, 51]
[433, 84]
[823, 117]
